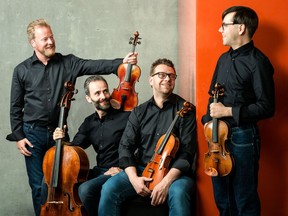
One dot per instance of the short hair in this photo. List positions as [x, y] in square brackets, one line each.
[244, 15]
[33, 24]
[160, 61]
[92, 79]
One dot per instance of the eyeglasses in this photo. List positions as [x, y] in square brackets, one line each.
[163, 75]
[226, 24]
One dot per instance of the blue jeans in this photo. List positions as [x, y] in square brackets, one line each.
[236, 194]
[118, 188]
[90, 191]
[42, 140]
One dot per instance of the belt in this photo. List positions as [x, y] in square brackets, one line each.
[248, 126]
[40, 123]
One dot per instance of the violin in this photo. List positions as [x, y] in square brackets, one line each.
[65, 168]
[166, 149]
[124, 97]
[217, 161]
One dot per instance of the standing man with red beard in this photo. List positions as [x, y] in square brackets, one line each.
[103, 130]
[37, 86]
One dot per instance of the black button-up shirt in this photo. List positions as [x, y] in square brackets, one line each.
[104, 134]
[37, 88]
[247, 77]
[147, 123]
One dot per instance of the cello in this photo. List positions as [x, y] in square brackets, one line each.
[64, 168]
[217, 161]
[124, 97]
[166, 149]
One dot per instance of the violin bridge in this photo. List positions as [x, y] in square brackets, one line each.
[56, 202]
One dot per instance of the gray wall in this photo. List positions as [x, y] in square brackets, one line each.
[89, 29]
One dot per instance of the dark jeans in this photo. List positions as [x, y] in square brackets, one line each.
[236, 194]
[90, 191]
[42, 140]
[118, 189]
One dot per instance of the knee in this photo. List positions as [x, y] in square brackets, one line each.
[83, 190]
[109, 187]
[182, 190]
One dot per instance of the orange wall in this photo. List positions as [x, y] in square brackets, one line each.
[272, 38]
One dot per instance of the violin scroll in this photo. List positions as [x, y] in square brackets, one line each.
[134, 41]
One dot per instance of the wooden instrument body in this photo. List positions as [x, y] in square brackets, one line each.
[65, 167]
[158, 167]
[125, 93]
[74, 168]
[217, 161]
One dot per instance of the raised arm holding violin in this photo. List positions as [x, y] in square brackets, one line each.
[37, 85]
[146, 126]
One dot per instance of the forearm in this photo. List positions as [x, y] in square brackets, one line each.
[171, 176]
[131, 172]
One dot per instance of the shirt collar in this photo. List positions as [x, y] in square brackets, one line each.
[171, 100]
[241, 50]
[109, 114]
[34, 58]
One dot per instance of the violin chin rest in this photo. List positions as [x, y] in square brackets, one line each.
[115, 104]
[211, 171]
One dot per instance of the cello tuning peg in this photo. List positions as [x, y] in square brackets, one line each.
[138, 42]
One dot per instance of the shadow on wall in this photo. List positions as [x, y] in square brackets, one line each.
[270, 39]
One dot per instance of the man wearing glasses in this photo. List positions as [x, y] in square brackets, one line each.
[146, 124]
[247, 77]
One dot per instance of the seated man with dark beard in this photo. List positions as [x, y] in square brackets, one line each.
[103, 130]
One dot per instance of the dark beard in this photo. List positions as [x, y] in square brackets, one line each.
[102, 108]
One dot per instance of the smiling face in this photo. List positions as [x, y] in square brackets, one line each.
[43, 43]
[162, 86]
[99, 95]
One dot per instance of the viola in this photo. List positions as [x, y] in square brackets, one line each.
[65, 168]
[124, 96]
[166, 149]
[217, 161]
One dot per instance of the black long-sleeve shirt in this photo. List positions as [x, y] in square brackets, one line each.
[104, 135]
[247, 77]
[37, 88]
[147, 123]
